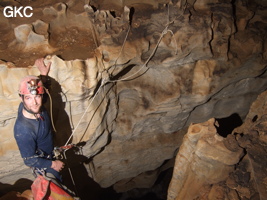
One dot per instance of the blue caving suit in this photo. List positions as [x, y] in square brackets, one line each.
[35, 141]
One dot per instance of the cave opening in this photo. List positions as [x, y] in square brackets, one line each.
[86, 188]
[228, 124]
[158, 191]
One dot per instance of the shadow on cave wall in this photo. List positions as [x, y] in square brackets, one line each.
[60, 117]
[76, 178]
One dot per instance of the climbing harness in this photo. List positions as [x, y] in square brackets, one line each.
[39, 154]
[58, 151]
[46, 183]
[60, 154]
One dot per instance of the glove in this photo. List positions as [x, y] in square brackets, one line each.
[57, 165]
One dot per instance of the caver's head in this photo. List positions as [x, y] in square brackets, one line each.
[31, 91]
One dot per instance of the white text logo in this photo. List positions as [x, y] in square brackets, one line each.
[10, 11]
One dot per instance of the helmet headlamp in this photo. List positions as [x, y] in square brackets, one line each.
[32, 86]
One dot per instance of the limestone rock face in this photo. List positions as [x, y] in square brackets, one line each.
[215, 167]
[129, 78]
[202, 160]
[252, 137]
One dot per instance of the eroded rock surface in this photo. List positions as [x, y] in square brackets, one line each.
[214, 167]
[128, 81]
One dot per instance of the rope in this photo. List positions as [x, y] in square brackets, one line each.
[121, 48]
[71, 176]
[151, 55]
[51, 108]
[165, 31]
[104, 81]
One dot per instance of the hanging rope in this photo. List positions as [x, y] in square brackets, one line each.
[102, 84]
[115, 63]
[149, 58]
[51, 109]
[107, 80]
[164, 32]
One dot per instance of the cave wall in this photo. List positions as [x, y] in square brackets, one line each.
[128, 79]
[214, 167]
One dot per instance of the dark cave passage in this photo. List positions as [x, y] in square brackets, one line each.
[228, 124]
[87, 189]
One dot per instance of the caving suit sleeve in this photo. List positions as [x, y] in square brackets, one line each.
[33, 136]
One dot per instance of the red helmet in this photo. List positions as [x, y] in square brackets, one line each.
[31, 85]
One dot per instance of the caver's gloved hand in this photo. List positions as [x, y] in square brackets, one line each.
[57, 165]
